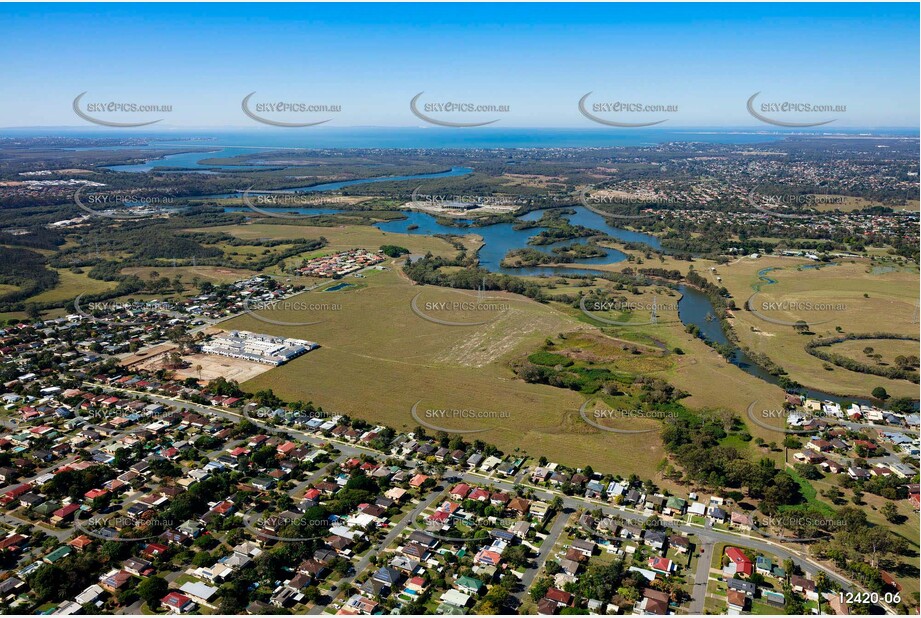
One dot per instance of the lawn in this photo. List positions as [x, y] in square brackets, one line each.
[736, 442]
[184, 578]
[760, 608]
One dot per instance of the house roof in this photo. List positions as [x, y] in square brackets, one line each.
[519, 504]
[559, 596]
[176, 599]
[465, 581]
[546, 607]
[736, 598]
[658, 563]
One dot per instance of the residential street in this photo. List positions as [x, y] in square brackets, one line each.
[344, 585]
[545, 549]
[701, 577]
[569, 502]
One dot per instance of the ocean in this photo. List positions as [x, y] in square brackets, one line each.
[437, 137]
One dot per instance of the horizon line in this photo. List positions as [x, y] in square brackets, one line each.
[493, 128]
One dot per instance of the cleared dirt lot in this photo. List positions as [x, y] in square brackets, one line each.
[212, 366]
[149, 357]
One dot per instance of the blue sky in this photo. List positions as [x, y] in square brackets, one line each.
[538, 59]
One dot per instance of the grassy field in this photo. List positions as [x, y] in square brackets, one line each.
[344, 237]
[244, 256]
[213, 274]
[857, 299]
[378, 359]
[7, 289]
[847, 203]
[70, 285]
[888, 349]
[710, 381]
[811, 495]
[392, 362]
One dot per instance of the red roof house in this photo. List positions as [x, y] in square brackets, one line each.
[743, 564]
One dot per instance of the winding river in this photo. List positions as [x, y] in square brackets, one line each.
[191, 162]
[693, 308]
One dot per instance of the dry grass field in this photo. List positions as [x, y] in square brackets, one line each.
[891, 305]
[853, 296]
[343, 237]
[213, 274]
[888, 350]
[846, 203]
[70, 285]
[378, 359]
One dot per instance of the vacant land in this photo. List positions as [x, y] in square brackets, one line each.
[343, 237]
[879, 352]
[847, 203]
[710, 381]
[378, 359]
[70, 285]
[148, 357]
[208, 367]
[212, 274]
[856, 298]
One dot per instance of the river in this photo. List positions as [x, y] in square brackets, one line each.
[695, 307]
[498, 239]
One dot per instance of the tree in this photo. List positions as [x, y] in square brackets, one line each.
[890, 511]
[46, 581]
[821, 585]
[152, 589]
[517, 555]
[540, 588]
[880, 393]
[788, 565]
[876, 542]
[394, 250]
[793, 605]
